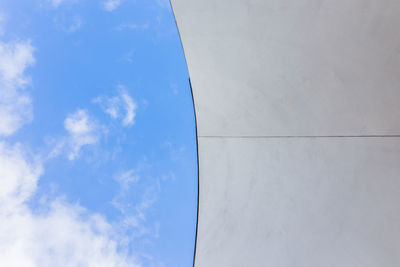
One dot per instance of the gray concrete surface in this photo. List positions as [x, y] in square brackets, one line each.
[298, 116]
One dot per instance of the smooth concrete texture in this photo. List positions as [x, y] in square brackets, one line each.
[298, 120]
[299, 203]
[305, 67]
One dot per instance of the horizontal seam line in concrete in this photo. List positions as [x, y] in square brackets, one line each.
[298, 136]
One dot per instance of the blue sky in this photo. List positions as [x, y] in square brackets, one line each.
[97, 136]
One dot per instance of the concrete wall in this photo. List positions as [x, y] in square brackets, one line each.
[298, 116]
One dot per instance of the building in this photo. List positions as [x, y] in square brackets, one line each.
[298, 122]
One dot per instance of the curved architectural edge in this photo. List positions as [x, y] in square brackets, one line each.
[197, 138]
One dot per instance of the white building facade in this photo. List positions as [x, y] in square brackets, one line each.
[298, 122]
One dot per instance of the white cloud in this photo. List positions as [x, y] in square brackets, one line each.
[111, 5]
[18, 177]
[122, 106]
[15, 103]
[60, 234]
[82, 130]
[56, 233]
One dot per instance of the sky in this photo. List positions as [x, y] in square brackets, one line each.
[97, 135]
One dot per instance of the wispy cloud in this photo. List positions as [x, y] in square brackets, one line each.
[132, 26]
[2, 22]
[75, 25]
[134, 215]
[68, 24]
[57, 3]
[111, 5]
[176, 152]
[110, 105]
[82, 131]
[148, 199]
[126, 178]
[130, 107]
[128, 57]
[121, 106]
[15, 102]
[163, 3]
[175, 88]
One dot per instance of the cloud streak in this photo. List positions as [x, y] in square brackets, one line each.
[133, 26]
[2, 21]
[57, 3]
[134, 215]
[121, 106]
[75, 25]
[111, 5]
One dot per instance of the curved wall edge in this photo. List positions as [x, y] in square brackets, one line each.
[298, 127]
